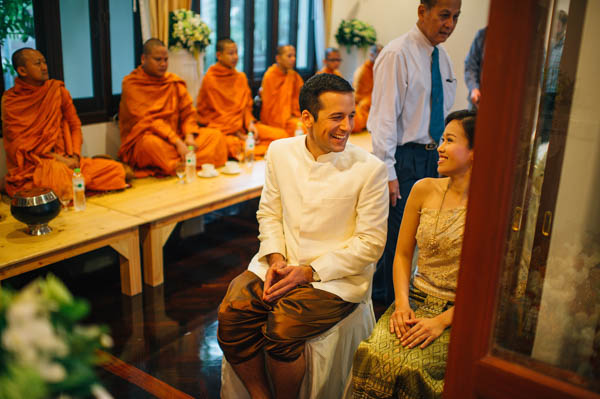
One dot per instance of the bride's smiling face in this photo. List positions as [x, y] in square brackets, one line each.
[456, 157]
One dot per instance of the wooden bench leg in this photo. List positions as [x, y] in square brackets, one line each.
[154, 237]
[131, 271]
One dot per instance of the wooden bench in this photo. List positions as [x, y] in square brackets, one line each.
[73, 233]
[161, 203]
[152, 205]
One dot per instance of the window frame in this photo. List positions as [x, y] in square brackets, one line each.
[103, 105]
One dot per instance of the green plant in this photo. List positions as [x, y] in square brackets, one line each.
[16, 20]
[44, 352]
[188, 31]
[355, 33]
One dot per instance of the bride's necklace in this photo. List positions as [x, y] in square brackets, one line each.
[433, 244]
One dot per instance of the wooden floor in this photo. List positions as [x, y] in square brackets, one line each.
[165, 342]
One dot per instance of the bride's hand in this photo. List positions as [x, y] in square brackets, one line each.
[398, 320]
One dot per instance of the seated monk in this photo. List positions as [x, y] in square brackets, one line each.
[158, 120]
[363, 84]
[332, 62]
[280, 91]
[42, 134]
[225, 103]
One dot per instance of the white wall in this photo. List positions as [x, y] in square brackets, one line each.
[392, 18]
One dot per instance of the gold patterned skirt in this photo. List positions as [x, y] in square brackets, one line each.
[385, 369]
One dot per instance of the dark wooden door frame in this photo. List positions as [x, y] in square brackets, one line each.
[472, 370]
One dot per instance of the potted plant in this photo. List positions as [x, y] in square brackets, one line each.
[189, 36]
[356, 36]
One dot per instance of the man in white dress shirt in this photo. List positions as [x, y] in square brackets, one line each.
[322, 221]
[413, 91]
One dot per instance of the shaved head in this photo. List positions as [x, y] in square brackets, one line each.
[281, 49]
[151, 44]
[20, 56]
[222, 43]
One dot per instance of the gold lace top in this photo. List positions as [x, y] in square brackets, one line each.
[437, 270]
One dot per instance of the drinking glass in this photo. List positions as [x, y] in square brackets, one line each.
[180, 172]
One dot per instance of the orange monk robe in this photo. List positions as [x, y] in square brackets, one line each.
[331, 71]
[38, 121]
[280, 92]
[155, 112]
[225, 103]
[363, 86]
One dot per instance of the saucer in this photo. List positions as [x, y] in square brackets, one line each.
[231, 172]
[202, 173]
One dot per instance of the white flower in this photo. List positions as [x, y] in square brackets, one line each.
[51, 371]
[100, 393]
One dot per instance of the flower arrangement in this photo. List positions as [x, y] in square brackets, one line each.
[355, 33]
[44, 353]
[188, 31]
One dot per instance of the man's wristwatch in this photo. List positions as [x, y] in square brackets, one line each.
[315, 276]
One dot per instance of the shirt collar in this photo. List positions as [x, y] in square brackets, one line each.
[325, 158]
[421, 38]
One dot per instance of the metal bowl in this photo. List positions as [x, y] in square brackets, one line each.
[35, 207]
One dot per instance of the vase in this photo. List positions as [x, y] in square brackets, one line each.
[189, 68]
[352, 58]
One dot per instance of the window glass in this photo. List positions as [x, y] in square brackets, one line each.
[76, 47]
[260, 36]
[283, 33]
[237, 29]
[208, 11]
[303, 34]
[121, 42]
[14, 42]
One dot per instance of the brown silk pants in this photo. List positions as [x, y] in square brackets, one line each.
[247, 325]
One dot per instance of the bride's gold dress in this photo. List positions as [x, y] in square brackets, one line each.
[382, 367]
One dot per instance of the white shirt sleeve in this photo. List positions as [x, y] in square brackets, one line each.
[389, 94]
[270, 215]
[366, 244]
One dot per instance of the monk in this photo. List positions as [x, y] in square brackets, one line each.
[280, 91]
[225, 103]
[158, 120]
[363, 86]
[332, 62]
[42, 134]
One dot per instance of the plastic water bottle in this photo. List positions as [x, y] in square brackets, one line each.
[249, 149]
[78, 190]
[190, 165]
[299, 131]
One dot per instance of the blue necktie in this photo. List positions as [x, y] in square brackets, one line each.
[436, 118]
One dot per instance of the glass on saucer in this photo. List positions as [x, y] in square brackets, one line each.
[180, 172]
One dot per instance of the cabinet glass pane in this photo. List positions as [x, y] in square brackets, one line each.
[260, 36]
[283, 31]
[237, 29]
[303, 24]
[208, 11]
[121, 42]
[549, 306]
[76, 47]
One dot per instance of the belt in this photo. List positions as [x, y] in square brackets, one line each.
[428, 146]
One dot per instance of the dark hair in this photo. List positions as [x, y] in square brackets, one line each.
[151, 43]
[467, 120]
[18, 57]
[563, 16]
[330, 50]
[317, 85]
[221, 43]
[429, 4]
[281, 49]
